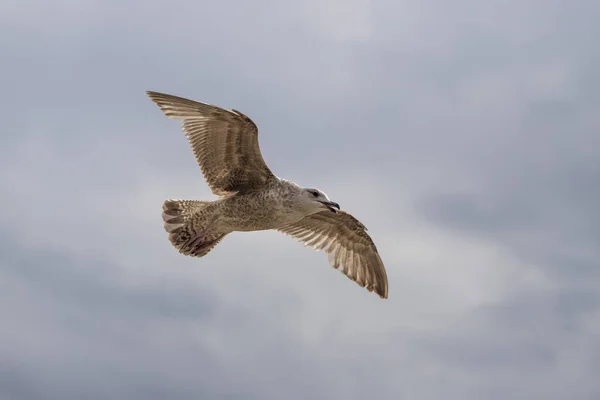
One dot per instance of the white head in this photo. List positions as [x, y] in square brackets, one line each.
[314, 200]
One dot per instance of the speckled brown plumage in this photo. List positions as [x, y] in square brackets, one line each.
[225, 143]
[252, 198]
[345, 240]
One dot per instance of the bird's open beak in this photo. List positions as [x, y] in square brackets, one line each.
[331, 206]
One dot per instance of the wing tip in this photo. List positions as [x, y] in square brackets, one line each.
[381, 289]
[156, 97]
[175, 107]
[382, 292]
[152, 94]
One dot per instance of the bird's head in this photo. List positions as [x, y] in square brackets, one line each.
[315, 200]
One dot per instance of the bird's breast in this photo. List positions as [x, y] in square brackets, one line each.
[255, 212]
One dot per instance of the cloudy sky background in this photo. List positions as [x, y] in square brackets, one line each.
[464, 134]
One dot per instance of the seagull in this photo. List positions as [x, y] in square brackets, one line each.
[252, 198]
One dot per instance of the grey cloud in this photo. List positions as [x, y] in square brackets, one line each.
[79, 330]
[518, 359]
[105, 339]
[470, 127]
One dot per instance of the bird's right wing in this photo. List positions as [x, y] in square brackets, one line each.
[225, 143]
[349, 247]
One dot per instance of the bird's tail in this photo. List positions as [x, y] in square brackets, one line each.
[191, 226]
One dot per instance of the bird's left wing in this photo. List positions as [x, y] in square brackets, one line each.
[350, 249]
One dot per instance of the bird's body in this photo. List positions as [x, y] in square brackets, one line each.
[270, 208]
[252, 198]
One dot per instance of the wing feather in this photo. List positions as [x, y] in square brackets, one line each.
[224, 142]
[349, 247]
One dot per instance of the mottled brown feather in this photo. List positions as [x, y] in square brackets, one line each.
[349, 247]
[224, 142]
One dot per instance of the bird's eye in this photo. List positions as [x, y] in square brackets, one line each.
[316, 194]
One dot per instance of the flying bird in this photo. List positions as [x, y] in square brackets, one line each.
[252, 198]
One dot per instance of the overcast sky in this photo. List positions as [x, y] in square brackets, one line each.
[465, 135]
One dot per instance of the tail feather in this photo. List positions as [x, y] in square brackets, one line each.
[191, 227]
[177, 212]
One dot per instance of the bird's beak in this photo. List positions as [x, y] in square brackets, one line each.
[331, 206]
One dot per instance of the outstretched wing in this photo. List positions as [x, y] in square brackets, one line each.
[225, 143]
[350, 249]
